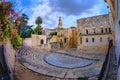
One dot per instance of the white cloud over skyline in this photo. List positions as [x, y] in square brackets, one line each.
[69, 10]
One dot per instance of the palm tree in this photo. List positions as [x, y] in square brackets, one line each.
[39, 27]
[38, 20]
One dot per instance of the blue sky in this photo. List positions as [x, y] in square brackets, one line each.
[69, 10]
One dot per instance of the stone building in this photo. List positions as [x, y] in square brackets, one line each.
[39, 40]
[94, 34]
[67, 38]
[111, 4]
[114, 6]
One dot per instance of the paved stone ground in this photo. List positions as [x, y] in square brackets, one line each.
[67, 61]
[33, 59]
[23, 73]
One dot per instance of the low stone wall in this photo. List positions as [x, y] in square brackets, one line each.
[54, 45]
[27, 42]
[50, 46]
[45, 46]
[9, 55]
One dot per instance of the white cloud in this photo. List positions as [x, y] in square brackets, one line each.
[42, 11]
[50, 17]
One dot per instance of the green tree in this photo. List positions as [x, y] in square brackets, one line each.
[53, 33]
[16, 41]
[8, 23]
[29, 32]
[24, 28]
[24, 18]
[38, 21]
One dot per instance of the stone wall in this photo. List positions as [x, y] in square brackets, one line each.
[67, 38]
[94, 34]
[35, 41]
[54, 45]
[38, 40]
[94, 47]
[53, 39]
[27, 42]
[117, 30]
[9, 55]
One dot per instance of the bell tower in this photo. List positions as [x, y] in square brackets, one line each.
[60, 22]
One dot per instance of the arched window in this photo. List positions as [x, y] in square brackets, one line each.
[108, 21]
[94, 30]
[101, 30]
[108, 39]
[79, 23]
[80, 32]
[106, 30]
[93, 40]
[100, 22]
[100, 39]
[86, 31]
[80, 40]
[86, 24]
[93, 23]
[65, 40]
[86, 40]
[109, 29]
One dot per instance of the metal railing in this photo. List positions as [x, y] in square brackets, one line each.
[104, 70]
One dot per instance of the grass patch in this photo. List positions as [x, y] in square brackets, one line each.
[23, 68]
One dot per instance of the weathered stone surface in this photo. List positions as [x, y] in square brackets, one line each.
[33, 59]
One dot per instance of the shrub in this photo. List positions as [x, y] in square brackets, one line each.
[16, 41]
[53, 33]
